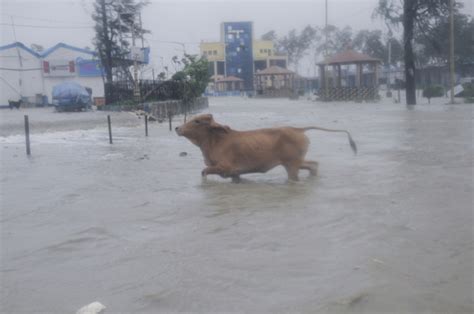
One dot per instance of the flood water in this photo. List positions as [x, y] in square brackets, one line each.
[134, 226]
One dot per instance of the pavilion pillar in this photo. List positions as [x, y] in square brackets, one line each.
[376, 75]
[339, 76]
[358, 74]
[322, 77]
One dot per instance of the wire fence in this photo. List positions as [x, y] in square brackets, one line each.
[150, 90]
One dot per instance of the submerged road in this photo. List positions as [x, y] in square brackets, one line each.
[134, 226]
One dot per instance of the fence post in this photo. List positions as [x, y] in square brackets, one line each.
[146, 125]
[27, 135]
[110, 129]
[170, 118]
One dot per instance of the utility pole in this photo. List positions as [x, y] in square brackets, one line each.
[20, 61]
[326, 51]
[389, 92]
[451, 48]
[136, 90]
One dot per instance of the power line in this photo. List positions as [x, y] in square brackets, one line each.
[48, 27]
[174, 42]
[46, 20]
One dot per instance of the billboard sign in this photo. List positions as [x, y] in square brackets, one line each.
[59, 68]
[89, 68]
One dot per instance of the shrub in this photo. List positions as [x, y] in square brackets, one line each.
[433, 91]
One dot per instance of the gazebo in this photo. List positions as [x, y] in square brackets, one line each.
[351, 83]
[274, 81]
[229, 83]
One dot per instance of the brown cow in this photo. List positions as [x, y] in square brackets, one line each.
[230, 153]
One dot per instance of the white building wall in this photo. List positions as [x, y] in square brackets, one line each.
[95, 83]
[14, 82]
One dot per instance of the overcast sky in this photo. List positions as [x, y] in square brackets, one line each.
[47, 22]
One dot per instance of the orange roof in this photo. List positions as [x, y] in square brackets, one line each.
[348, 56]
[274, 69]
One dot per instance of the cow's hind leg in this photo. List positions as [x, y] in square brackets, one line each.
[312, 166]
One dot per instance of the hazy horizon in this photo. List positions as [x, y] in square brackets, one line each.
[48, 22]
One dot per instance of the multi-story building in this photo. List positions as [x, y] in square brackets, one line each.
[239, 55]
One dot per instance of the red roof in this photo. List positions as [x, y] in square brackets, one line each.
[274, 69]
[348, 56]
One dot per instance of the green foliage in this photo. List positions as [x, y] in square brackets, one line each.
[468, 93]
[435, 42]
[371, 42]
[194, 77]
[433, 91]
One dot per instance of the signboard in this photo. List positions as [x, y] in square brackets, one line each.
[141, 55]
[89, 68]
[59, 68]
[458, 89]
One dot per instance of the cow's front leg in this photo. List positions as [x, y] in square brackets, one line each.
[235, 179]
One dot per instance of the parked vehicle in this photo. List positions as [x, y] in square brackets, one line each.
[70, 96]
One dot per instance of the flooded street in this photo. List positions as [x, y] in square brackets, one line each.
[134, 226]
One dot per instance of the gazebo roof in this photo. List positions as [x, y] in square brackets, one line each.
[274, 69]
[230, 79]
[347, 57]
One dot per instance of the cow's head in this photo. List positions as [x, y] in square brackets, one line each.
[200, 128]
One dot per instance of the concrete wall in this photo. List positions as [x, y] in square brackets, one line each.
[16, 80]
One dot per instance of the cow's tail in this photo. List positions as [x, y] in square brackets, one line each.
[351, 141]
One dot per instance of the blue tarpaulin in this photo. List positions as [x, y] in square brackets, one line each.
[70, 93]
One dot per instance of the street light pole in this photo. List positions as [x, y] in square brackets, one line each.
[326, 52]
[389, 92]
[451, 48]
[136, 90]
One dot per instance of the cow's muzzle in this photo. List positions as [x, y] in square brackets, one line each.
[178, 130]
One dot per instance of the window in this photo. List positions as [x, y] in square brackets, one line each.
[214, 52]
[261, 50]
[239, 70]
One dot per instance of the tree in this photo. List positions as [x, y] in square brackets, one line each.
[270, 35]
[193, 79]
[115, 21]
[337, 40]
[435, 43]
[296, 45]
[417, 17]
[370, 43]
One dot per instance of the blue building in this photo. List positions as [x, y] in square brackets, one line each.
[238, 39]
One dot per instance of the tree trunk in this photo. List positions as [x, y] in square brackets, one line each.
[108, 44]
[409, 14]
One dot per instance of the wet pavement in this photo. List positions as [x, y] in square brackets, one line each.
[134, 226]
